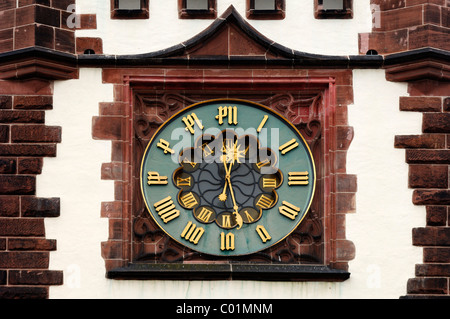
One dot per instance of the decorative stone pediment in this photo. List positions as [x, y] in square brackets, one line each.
[230, 35]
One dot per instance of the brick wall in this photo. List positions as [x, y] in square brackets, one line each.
[24, 141]
[428, 156]
[401, 25]
[26, 94]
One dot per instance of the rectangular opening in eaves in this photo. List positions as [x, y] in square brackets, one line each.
[129, 5]
[264, 5]
[197, 4]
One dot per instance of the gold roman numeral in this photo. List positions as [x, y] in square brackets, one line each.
[289, 210]
[263, 163]
[207, 150]
[187, 161]
[184, 181]
[192, 233]
[166, 209]
[163, 144]
[269, 182]
[264, 202]
[298, 178]
[250, 219]
[227, 111]
[155, 179]
[190, 121]
[226, 241]
[226, 221]
[263, 122]
[289, 146]
[204, 215]
[189, 200]
[263, 234]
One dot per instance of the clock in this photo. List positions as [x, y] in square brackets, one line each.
[227, 177]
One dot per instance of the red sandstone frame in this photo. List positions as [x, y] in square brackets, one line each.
[306, 98]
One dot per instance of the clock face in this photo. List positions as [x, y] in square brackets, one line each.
[227, 177]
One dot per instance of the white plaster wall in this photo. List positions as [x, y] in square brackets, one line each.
[164, 29]
[380, 228]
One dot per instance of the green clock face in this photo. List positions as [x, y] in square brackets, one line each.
[227, 177]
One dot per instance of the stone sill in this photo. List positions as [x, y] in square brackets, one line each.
[261, 272]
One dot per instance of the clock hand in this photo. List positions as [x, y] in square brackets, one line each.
[239, 220]
[223, 195]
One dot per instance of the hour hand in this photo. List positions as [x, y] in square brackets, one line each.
[223, 195]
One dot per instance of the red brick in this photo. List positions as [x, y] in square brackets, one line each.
[9, 206]
[428, 88]
[420, 104]
[431, 14]
[344, 136]
[40, 207]
[65, 40]
[5, 102]
[17, 185]
[28, 150]
[7, 166]
[419, 141]
[436, 255]
[94, 44]
[429, 36]
[25, 15]
[28, 2]
[31, 244]
[410, 3]
[88, 21]
[111, 171]
[445, 17]
[45, 36]
[24, 37]
[35, 133]
[22, 227]
[427, 286]
[7, 19]
[23, 293]
[428, 156]
[441, 270]
[111, 209]
[431, 197]
[436, 215]
[436, 123]
[35, 277]
[384, 5]
[108, 128]
[29, 165]
[33, 102]
[431, 236]
[3, 277]
[4, 133]
[7, 4]
[48, 16]
[28, 260]
[446, 104]
[428, 176]
[6, 35]
[384, 42]
[401, 18]
[63, 4]
[346, 183]
[9, 116]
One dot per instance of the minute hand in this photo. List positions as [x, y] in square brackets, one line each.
[239, 220]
